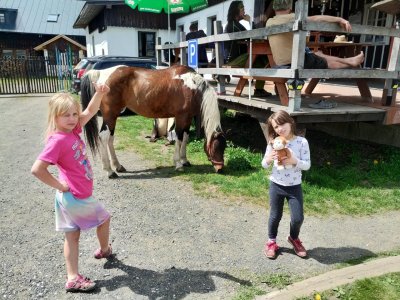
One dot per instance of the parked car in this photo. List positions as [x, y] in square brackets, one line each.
[112, 61]
[80, 69]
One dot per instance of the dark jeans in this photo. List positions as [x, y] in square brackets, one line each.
[277, 196]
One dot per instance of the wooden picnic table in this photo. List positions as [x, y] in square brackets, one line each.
[262, 47]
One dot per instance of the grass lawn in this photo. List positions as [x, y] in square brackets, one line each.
[376, 288]
[346, 177]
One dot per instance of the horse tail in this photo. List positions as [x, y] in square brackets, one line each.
[210, 115]
[87, 91]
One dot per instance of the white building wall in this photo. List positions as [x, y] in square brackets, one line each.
[124, 41]
[119, 41]
[219, 10]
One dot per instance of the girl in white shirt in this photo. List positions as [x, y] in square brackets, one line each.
[285, 183]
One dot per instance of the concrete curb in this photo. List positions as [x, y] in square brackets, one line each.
[336, 278]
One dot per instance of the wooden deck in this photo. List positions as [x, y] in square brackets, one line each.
[350, 106]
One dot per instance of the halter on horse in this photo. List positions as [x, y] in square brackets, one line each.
[177, 92]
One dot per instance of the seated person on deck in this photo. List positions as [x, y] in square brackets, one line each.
[236, 51]
[282, 43]
[195, 33]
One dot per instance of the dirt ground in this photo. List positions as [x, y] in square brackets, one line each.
[169, 243]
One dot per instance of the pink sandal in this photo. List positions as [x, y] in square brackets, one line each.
[80, 284]
[98, 254]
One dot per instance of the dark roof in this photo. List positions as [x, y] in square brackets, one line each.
[91, 9]
[30, 16]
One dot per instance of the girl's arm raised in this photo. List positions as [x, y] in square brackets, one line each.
[39, 169]
[94, 104]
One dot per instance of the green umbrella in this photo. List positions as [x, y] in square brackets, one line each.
[168, 6]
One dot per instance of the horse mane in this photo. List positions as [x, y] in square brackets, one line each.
[210, 115]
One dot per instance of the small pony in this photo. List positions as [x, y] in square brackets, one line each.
[177, 92]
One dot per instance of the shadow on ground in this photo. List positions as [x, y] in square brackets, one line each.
[172, 283]
[330, 256]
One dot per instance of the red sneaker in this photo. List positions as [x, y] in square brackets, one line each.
[297, 247]
[80, 284]
[98, 254]
[271, 249]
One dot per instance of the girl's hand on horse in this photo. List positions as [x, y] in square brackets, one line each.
[101, 88]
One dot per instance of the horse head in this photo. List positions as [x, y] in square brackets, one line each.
[215, 149]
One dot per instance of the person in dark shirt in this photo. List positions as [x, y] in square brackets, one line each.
[236, 50]
[195, 33]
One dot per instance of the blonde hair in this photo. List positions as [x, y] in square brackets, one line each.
[59, 104]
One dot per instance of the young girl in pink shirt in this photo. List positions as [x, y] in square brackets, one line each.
[75, 208]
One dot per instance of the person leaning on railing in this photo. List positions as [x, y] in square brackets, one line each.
[282, 43]
[236, 50]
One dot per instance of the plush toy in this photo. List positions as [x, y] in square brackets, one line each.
[279, 145]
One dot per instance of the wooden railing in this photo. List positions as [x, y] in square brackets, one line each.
[299, 27]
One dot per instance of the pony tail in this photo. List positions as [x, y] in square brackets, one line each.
[210, 115]
[91, 128]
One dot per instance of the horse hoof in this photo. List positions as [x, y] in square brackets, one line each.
[187, 164]
[113, 175]
[179, 169]
[121, 169]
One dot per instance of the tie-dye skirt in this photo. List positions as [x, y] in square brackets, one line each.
[78, 214]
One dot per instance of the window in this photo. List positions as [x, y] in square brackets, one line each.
[8, 18]
[147, 44]
[210, 25]
[52, 18]
[7, 53]
[20, 53]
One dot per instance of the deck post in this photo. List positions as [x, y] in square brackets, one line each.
[390, 89]
[219, 58]
[299, 44]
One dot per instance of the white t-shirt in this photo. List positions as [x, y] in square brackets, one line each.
[299, 147]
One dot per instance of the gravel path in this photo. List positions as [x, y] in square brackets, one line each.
[170, 243]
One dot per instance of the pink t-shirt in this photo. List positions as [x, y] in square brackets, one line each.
[67, 151]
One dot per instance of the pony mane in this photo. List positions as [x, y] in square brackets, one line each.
[210, 115]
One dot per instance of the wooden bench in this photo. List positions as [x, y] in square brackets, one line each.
[263, 48]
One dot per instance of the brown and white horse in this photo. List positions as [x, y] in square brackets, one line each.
[177, 92]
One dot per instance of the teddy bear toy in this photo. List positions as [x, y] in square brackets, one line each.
[279, 145]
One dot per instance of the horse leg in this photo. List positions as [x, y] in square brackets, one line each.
[182, 150]
[118, 167]
[104, 137]
[177, 160]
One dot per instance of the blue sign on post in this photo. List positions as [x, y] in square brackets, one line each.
[192, 54]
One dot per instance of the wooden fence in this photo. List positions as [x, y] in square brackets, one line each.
[33, 75]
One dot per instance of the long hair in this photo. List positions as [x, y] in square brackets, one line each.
[59, 104]
[280, 117]
[234, 10]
